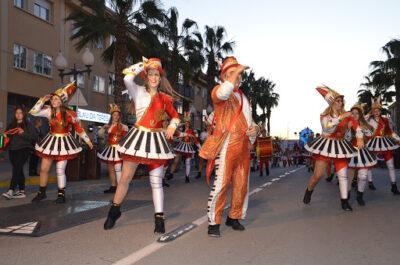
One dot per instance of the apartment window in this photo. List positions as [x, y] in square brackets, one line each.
[110, 4]
[19, 56]
[99, 43]
[98, 84]
[80, 81]
[19, 3]
[111, 82]
[112, 39]
[42, 64]
[41, 9]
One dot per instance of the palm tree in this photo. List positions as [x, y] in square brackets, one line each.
[129, 23]
[268, 100]
[180, 46]
[250, 87]
[374, 88]
[386, 74]
[215, 48]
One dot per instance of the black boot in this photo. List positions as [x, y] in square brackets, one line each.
[159, 226]
[169, 176]
[113, 214]
[165, 183]
[60, 196]
[198, 175]
[394, 189]
[360, 199]
[330, 178]
[267, 173]
[261, 174]
[307, 196]
[371, 185]
[187, 179]
[213, 231]
[41, 195]
[111, 189]
[349, 195]
[345, 205]
[234, 223]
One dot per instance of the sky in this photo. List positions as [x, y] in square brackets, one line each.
[302, 44]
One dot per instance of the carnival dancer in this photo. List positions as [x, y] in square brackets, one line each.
[146, 142]
[264, 151]
[384, 140]
[365, 160]
[115, 131]
[59, 145]
[185, 147]
[332, 146]
[229, 144]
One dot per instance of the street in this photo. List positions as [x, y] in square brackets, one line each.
[279, 229]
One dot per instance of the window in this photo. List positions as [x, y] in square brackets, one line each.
[99, 43]
[98, 84]
[19, 56]
[80, 80]
[111, 82]
[42, 64]
[41, 9]
[112, 39]
[19, 3]
[74, 30]
[110, 4]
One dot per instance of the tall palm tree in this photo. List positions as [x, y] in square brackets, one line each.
[388, 72]
[268, 100]
[250, 87]
[183, 47]
[374, 88]
[215, 48]
[128, 22]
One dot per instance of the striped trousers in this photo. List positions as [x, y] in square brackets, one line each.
[232, 167]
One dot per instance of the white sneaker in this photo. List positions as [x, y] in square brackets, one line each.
[19, 195]
[8, 195]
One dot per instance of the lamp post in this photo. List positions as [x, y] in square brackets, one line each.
[61, 64]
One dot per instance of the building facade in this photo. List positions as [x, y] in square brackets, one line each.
[32, 33]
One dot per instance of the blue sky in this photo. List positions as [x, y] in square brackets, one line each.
[301, 44]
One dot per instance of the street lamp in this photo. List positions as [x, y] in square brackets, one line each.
[61, 64]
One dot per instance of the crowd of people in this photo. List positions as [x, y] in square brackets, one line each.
[232, 145]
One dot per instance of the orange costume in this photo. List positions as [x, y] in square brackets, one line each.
[264, 152]
[332, 146]
[115, 133]
[384, 140]
[232, 110]
[59, 145]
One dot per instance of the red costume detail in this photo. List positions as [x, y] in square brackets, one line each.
[153, 118]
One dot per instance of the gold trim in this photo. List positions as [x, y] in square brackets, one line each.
[149, 129]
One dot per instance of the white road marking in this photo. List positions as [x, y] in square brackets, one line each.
[153, 247]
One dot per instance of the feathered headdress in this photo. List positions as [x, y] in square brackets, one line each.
[376, 103]
[114, 108]
[66, 92]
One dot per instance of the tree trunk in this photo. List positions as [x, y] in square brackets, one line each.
[121, 53]
[269, 121]
[397, 106]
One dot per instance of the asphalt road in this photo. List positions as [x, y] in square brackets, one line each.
[279, 229]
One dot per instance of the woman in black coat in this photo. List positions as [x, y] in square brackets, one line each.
[21, 140]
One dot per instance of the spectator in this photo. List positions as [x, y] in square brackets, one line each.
[33, 158]
[19, 148]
